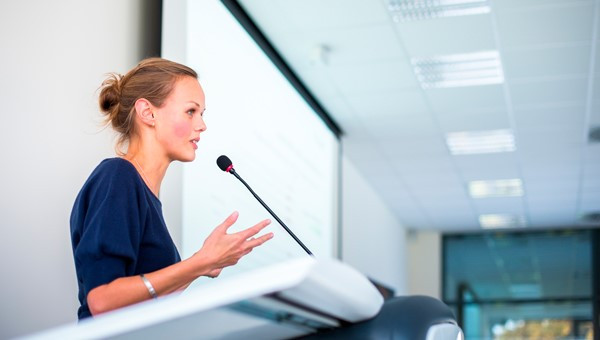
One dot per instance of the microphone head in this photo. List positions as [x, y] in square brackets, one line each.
[224, 163]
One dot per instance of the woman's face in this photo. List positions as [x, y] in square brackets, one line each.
[179, 121]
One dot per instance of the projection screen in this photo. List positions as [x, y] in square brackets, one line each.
[277, 143]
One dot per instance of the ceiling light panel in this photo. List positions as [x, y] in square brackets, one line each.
[493, 221]
[459, 70]
[496, 188]
[409, 10]
[477, 142]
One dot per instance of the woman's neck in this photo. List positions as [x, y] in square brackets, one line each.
[151, 168]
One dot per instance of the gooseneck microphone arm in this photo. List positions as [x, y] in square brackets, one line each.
[228, 167]
[233, 172]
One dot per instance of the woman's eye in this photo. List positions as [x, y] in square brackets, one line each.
[191, 112]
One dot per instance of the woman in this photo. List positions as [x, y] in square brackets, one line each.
[122, 249]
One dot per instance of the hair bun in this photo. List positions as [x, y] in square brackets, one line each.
[110, 95]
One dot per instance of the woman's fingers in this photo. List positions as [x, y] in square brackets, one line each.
[229, 221]
[255, 242]
[250, 232]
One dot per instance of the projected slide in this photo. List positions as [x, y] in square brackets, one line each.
[275, 140]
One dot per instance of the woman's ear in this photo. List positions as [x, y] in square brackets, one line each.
[145, 110]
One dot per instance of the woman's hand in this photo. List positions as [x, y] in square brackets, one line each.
[221, 249]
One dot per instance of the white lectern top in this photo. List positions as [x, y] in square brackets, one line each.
[285, 300]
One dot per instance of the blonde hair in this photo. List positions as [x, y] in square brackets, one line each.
[152, 79]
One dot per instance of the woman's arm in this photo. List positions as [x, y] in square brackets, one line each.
[220, 250]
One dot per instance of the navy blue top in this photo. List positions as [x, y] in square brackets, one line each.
[117, 229]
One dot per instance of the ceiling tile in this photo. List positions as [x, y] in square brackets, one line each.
[565, 23]
[316, 14]
[550, 159]
[499, 205]
[545, 173]
[450, 35]
[389, 104]
[454, 205]
[437, 187]
[562, 60]
[481, 121]
[342, 46]
[537, 188]
[401, 128]
[557, 202]
[550, 115]
[487, 166]
[377, 77]
[558, 219]
[426, 166]
[415, 151]
[461, 99]
[520, 4]
[536, 92]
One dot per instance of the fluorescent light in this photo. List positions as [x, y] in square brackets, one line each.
[459, 70]
[492, 221]
[474, 142]
[408, 10]
[496, 188]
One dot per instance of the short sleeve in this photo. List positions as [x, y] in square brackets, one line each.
[110, 219]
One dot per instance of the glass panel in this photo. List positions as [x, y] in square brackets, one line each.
[528, 321]
[540, 265]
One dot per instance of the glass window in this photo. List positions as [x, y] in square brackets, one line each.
[520, 285]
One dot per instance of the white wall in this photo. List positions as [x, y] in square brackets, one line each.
[373, 241]
[54, 56]
[424, 263]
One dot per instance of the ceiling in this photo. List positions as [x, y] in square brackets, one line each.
[357, 60]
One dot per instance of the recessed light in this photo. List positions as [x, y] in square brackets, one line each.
[493, 221]
[459, 70]
[474, 142]
[408, 10]
[496, 188]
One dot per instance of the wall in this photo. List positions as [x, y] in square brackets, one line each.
[424, 263]
[54, 56]
[373, 241]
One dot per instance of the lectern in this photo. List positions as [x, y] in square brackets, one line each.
[298, 298]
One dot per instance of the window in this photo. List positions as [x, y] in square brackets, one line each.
[522, 285]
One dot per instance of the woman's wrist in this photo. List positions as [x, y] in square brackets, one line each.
[199, 266]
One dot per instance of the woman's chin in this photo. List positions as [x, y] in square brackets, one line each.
[188, 158]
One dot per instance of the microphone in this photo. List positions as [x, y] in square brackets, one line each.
[225, 164]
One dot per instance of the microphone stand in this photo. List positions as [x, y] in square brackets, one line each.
[233, 172]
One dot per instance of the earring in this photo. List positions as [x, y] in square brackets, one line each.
[152, 123]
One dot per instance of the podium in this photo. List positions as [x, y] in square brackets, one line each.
[302, 297]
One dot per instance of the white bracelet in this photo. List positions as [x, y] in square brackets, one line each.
[149, 286]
